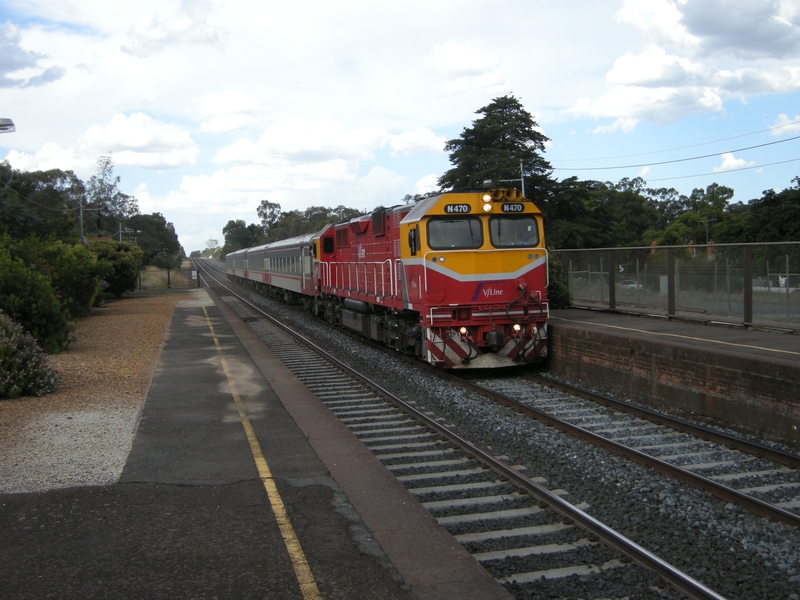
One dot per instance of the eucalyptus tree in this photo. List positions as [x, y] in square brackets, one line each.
[110, 207]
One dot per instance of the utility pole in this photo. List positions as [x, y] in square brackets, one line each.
[521, 178]
[706, 221]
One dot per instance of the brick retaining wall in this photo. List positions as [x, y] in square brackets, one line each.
[746, 393]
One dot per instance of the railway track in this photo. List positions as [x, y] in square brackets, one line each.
[523, 532]
[762, 479]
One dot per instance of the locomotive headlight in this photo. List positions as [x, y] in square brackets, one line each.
[487, 198]
[517, 327]
[462, 330]
[487, 207]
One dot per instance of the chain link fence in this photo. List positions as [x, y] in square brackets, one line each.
[153, 278]
[749, 284]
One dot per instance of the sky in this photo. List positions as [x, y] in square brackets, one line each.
[209, 107]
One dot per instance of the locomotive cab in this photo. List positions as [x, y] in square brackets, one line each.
[477, 269]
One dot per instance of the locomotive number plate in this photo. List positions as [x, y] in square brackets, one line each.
[457, 208]
[513, 207]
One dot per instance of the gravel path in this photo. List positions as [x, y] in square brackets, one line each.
[82, 433]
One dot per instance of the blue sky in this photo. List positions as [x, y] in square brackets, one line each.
[209, 107]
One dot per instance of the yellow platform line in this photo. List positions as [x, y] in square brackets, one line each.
[677, 335]
[302, 571]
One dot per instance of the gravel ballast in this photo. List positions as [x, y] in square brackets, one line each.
[722, 545]
[82, 433]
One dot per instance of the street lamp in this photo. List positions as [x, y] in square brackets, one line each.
[7, 126]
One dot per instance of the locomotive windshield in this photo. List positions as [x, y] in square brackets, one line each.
[448, 233]
[513, 231]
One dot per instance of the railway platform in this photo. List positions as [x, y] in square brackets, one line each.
[239, 484]
[745, 378]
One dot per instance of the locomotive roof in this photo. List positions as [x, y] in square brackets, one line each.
[421, 208]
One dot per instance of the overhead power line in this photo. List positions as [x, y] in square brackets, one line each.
[677, 160]
[780, 162]
[734, 137]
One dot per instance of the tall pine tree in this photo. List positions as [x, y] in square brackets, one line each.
[493, 148]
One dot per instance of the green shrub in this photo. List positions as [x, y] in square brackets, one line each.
[124, 259]
[558, 288]
[27, 297]
[23, 366]
[72, 270]
[163, 262]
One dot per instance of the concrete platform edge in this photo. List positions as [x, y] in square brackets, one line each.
[432, 563]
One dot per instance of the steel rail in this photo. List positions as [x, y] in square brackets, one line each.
[628, 548]
[732, 441]
[754, 505]
[729, 494]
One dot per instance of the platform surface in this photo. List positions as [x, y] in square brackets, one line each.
[194, 515]
[752, 343]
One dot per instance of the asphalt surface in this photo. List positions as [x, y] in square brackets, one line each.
[190, 516]
[750, 343]
[240, 484]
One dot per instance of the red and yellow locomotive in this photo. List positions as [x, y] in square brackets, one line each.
[458, 279]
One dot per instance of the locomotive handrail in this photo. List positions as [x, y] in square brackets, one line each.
[350, 268]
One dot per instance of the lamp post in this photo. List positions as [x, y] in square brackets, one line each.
[7, 126]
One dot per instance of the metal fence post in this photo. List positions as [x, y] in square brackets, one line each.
[612, 281]
[670, 282]
[747, 275]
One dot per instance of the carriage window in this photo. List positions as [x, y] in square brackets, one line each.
[447, 233]
[509, 231]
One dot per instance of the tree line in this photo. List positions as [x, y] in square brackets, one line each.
[504, 145]
[64, 245]
[57, 204]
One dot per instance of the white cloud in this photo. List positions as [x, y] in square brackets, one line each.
[51, 156]
[656, 105]
[661, 88]
[429, 183]
[226, 112]
[752, 81]
[655, 68]
[380, 186]
[625, 124]
[141, 141]
[420, 140]
[20, 67]
[660, 20]
[784, 125]
[465, 67]
[150, 34]
[304, 140]
[729, 163]
[729, 30]
[749, 30]
[236, 192]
